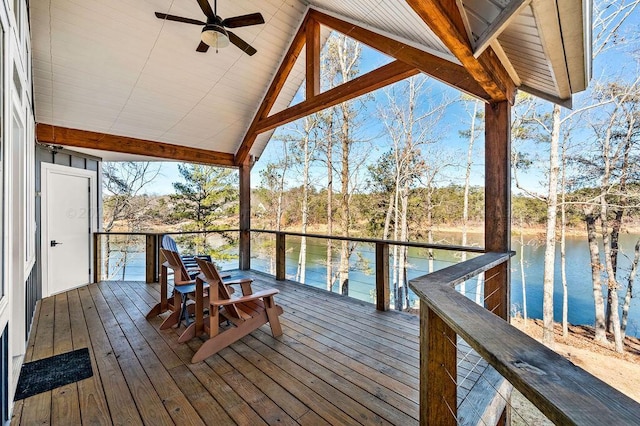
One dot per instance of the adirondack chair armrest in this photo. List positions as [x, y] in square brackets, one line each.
[250, 298]
[245, 285]
[237, 281]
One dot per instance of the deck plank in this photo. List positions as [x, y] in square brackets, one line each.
[176, 404]
[353, 366]
[94, 409]
[65, 403]
[148, 402]
[120, 401]
[37, 409]
[16, 414]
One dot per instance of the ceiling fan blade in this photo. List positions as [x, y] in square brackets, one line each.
[206, 8]
[240, 43]
[178, 19]
[243, 21]
[202, 47]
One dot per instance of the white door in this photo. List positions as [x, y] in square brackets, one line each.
[66, 236]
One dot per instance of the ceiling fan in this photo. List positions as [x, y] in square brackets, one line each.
[214, 33]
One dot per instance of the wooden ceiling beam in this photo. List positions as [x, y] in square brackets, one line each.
[276, 86]
[373, 80]
[444, 19]
[309, 34]
[432, 65]
[312, 57]
[54, 135]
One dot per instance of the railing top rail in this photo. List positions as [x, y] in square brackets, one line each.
[377, 241]
[167, 233]
[565, 393]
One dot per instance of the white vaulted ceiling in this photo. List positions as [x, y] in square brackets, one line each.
[110, 66]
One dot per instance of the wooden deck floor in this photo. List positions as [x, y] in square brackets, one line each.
[339, 362]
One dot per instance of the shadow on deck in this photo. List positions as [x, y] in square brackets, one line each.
[339, 361]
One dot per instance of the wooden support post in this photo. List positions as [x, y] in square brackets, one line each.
[438, 370]
[151, 258]
[497, 224]
[382, 277]
[312, 59]
[245, 217]
[281, 252]
[97, 258]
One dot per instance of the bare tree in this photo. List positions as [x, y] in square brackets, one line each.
[123, 182]
[607, 165]
[409, 122]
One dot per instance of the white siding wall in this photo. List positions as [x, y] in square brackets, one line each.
[18, 175]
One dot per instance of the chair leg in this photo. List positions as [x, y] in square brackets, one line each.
[174, 317]
[273, 311]
[227, 337]
[159, 308]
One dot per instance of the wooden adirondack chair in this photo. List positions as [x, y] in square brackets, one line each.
[184, 286]
[189, 260]
[245, 313]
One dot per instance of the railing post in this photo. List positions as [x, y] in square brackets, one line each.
[382, 277]
[97, 258]
[151, 258]
[280, 256]
[244, 261]
[497, 227]
[438, 370]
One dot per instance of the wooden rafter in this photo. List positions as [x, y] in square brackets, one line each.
[434, 66]
[64, 136]
[413, 60]
[444, 19]
[373, 80]
[312, 59]
[269, 99]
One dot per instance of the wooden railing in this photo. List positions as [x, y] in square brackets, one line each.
[564, 393]
[152, 243]
[382, 290]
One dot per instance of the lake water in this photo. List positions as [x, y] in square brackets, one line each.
[361, 276]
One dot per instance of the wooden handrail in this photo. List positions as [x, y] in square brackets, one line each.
[167, 233]
[563, 392]
[376, 241]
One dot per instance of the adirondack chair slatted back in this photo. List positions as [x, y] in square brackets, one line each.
[169, 243]
[212, 276]
[174, 262]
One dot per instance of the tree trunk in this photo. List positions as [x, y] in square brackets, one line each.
[403, 292]
[397, 300]
[387, 219]
[467, 179]
[329, 139]
[302, 259]
[430, 225]
[629, 293]
[612, 283]
[550, 240]
[596, 268]
[344, 199]
[618, 211]
[523, 276]
[563, 245]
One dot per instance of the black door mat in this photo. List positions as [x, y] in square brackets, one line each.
[50, 373]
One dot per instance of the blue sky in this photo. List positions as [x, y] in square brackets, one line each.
[611, 64]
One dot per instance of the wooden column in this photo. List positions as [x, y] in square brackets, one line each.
[97, 258]
[312, 59]
[281, 255]
[382, 277]
[438, 371]
[151, 258]
[245, 217]
[497, 228]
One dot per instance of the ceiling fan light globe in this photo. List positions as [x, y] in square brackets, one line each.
[215, 36]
